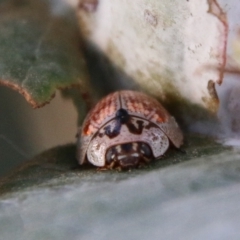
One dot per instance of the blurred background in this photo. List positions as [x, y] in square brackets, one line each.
[25, 131]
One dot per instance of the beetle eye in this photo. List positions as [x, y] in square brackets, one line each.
[145, 150]
[111, 155]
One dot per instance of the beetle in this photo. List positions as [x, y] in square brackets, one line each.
[126, 129]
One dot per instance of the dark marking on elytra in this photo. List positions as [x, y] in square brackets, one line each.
[122, 117]
[101, 135]
[115, 132]
[133, 129]
[150, 125]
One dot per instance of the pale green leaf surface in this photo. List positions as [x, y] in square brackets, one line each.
[58, 166]
[182, 196]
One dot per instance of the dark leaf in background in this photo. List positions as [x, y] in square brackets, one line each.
[40, 49]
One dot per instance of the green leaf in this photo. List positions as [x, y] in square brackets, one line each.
[59, 167]
[40, 49]
[181, 196]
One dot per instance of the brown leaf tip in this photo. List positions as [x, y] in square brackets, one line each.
[29, 98]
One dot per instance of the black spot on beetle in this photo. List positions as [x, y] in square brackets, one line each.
[122, 115]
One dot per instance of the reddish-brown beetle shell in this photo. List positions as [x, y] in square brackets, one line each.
[162, 127]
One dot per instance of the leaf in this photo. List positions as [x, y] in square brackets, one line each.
[173, 50]
[40, 49]
[177, 197]
[58, 166]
